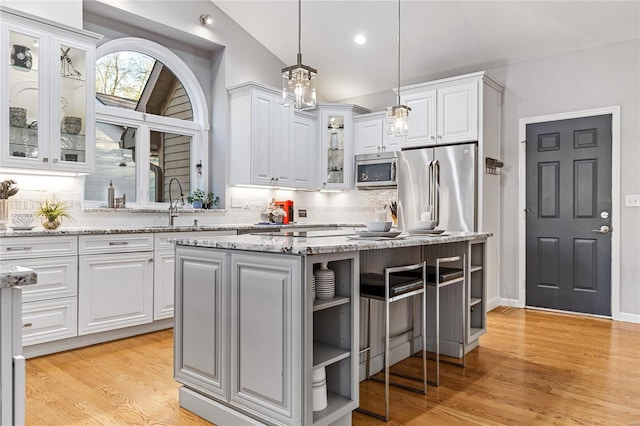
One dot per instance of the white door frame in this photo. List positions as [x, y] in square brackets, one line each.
[615, 199]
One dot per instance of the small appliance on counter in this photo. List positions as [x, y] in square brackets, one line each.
[287, 206]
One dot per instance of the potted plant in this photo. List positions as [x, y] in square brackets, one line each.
[197, 198]
[211, 201]
[51, 213]
[6, 190]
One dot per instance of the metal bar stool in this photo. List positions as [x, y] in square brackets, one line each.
[396, 284]
[439, 277]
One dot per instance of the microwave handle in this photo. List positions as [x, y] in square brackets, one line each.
[393, 171]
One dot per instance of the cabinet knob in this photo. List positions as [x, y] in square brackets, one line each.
[432, 138]
[378, 149]
[45, 159]
[151, 260]
[276, 179]
[25, 325]
[439, 136]
[55, 160]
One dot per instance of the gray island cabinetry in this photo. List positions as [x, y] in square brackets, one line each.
[248, 334]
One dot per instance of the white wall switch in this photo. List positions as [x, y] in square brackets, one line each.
[632, 200]
[236, 203]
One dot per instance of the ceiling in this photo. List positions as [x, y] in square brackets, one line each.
[438, 38]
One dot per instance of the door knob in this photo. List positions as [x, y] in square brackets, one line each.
[604, 229]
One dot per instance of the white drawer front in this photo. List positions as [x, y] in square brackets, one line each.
[57, 277]
[115, 243]
[29, 247]
[162, 239]
[49, 320]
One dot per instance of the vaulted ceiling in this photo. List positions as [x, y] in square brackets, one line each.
[438, 38]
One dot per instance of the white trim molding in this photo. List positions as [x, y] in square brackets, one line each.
[615, 202]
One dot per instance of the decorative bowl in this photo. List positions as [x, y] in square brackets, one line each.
[379, 226]
[426, 224]
[22, 219]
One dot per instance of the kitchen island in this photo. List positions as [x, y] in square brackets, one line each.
[248, 334]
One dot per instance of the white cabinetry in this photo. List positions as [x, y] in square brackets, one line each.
[263, 130]
[47, 91]
[116, 283]
[444, 111]
[336, 145]
[304, 147]
[371, 136]
[163, 269]
[49, 308]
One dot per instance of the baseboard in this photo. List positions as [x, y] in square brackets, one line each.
[512, 303]
[493, 303]
[95, 338]
[211, 410]
[635, 318]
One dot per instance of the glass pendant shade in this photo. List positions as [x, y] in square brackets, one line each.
[398, 120]
[299, 83]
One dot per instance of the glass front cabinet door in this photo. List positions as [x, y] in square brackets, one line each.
[47, 96]
[336, 145]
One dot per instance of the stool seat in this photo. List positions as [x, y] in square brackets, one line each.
[446, 274]
[373, 285]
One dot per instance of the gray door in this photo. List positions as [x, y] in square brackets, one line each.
[569, 215]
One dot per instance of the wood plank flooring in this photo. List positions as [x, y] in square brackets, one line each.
[532, 367]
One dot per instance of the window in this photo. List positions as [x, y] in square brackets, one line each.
[150, 124]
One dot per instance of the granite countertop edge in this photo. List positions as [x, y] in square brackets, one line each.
[96, 230]
[288, 245]
[17, 276]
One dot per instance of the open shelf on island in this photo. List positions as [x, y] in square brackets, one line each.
[334, 403]
[319, 304]
[475, 268]
[325, 354]
[474, 301]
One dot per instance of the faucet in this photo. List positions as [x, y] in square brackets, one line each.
[173, 204]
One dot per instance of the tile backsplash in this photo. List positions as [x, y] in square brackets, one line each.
[242, 205]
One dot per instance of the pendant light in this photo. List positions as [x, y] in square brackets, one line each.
[299, 81]
[398, 116]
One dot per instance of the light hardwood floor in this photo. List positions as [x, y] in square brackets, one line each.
[532, 367]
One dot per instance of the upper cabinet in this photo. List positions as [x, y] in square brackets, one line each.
[280, 146]
[371, 134]
[445, 111]
[47, 95]
[337, 145]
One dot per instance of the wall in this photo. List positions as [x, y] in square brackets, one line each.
[590, 78]
[68, 12]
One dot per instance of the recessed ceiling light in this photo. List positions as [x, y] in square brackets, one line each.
[360, 39]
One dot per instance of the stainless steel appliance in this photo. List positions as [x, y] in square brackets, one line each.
[374, 171]
[441, 178]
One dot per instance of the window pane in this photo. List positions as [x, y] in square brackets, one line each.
[115, 161]
[135, 81]
[170, 158]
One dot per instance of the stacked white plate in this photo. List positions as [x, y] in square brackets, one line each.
[325, 280]
[319, 393]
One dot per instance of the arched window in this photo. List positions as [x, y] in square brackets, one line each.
[151, 124]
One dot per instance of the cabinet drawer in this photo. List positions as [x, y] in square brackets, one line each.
[57, 277]
[49, 320]
[120, 243]
[162, 239]
[29, 247]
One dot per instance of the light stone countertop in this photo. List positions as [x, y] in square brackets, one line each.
[96, 230]
[326, 242]
[15, 276]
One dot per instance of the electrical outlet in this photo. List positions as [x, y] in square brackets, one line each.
[236, 203]
[632, 200]
[302, 212]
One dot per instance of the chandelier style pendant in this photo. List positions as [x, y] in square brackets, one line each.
[398, 115]
[299, 81]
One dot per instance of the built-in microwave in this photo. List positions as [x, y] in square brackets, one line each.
[375, 171]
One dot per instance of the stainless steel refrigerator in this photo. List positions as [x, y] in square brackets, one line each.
[442, 177]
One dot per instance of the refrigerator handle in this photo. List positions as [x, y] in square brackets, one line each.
[436, 182]
[430, 189]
